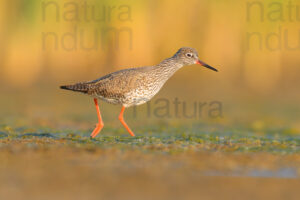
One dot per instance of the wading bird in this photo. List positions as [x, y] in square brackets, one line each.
[134, 86]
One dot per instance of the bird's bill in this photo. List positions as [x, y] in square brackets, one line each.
[205, 65]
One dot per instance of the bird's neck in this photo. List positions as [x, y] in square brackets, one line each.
[169, 66]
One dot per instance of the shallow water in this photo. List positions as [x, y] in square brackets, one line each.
[280, 173]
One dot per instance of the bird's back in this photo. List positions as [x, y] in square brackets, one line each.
[118, 86]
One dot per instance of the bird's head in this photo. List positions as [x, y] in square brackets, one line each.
[189, 56]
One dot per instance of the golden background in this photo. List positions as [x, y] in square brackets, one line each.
[249, 42]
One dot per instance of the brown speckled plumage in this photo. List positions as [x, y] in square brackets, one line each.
[134, 86]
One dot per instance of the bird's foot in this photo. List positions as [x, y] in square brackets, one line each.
[97, 130]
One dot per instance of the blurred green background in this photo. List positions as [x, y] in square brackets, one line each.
[254, 44]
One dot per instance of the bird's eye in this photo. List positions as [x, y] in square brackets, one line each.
[189, 55]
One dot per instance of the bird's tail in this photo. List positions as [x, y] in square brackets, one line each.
[78, 87]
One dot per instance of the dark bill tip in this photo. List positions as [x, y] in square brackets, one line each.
[206, 65]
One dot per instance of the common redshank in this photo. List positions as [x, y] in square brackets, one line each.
[134, 86]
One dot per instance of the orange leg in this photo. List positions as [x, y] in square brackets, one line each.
[100, 124]
[124, 123]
